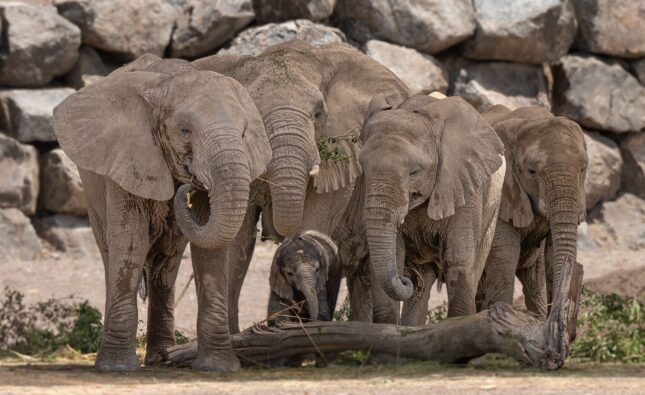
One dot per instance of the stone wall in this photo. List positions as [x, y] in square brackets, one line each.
[584, 59]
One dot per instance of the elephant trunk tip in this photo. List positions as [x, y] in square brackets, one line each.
[401, 288]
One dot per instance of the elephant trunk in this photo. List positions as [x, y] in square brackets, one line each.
[222, 168]
[306, 283]
[295, 157]
[381, 229]
[563, 208]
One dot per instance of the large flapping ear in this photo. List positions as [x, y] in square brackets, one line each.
[469, 153]
[351, 80]
[107, 128]
[254, 137]
[378, 103]
[327, 250]
[277, 282]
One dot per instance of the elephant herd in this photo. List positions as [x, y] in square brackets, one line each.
[329, 149]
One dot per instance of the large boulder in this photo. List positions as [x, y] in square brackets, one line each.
[207, 24]
[624, 220]
[26, 114]
[633, 149]
[526, 31]
[255, 40]
[283, 10]
[420, 72]
[511, 84]
[603, 170]
[19, 175]
[61, 188]
[611, 27]
[598, 95]
[18, 239]
[427, 25]
[89, 65]
[37, 44]
[128, 28]
[69, 234]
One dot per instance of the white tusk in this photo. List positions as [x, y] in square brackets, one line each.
[437, 95]
[206, 187]
[402, 221]
[315, 170]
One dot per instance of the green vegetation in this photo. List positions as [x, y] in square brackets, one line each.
[331, 154]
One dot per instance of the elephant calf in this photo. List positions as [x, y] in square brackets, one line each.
[305, 268]
[543, 201]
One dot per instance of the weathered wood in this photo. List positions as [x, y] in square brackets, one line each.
[500, 329]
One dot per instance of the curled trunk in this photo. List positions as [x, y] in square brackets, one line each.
[306, 283]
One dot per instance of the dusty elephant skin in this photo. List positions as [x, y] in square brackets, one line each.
[305, 268]
[429, 198]
[147, 130]
[543, 201]
[313, 102]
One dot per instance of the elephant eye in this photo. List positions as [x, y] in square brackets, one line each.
[531, 171]
[415, 172]
[185, 131]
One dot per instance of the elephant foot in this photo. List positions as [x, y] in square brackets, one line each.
[155, 356]
[223, 362]
[117, 361]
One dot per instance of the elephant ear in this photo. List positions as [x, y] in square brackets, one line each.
[107, 128]
[469, 153]
[328, 254]
[277, 282]
[254, 137]
[378, 103]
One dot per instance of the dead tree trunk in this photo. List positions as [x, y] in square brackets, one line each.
[501, 329]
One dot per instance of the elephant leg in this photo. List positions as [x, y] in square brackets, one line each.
[240, 252]
[498, 281]
[532, 277]
[415, 310]
[360, 298]
[214, 349]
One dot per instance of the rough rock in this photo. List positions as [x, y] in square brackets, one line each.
[207, 24]
[611, 27]
[18, 175]
[283, 10]
[639, 70]
[38, 44]
[511, 84]
[26, 114]
[604, 169]
[254, 40]
[525, 31]
[89, 64]
[128, 28]
[18, 239]
[420, 72]
[598, 95]
[69, 234]
[625, 220]
[427, 25]
[61, 188]
[633, 149]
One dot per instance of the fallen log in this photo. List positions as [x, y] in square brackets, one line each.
[501, 329]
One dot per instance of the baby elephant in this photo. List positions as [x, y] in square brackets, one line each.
[305, 268]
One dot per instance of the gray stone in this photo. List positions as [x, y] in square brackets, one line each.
[255, 40]
[420, 72]
[38, 44]
[207, 24]
[639, 70]
[267, 11]
[89, 64]
[598, 95]
[128, 28]
[633, 149]
[604, 169]
[611, 27]
[61, 188]
[624, 219]
[427, 25]
[26, 114]
[69, 234]
[18, 175]
[511, 84]
[525, 31]
[18, 239]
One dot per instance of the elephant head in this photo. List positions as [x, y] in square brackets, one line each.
[425, 151]
[311, 99]
[546, 165]
[149, 131]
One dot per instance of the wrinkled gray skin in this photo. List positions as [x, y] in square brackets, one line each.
[304, 269]
[149, 131]
[428, 194]
[543, 202]
[305, 95]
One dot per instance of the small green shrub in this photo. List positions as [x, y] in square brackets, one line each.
[437, 314]
[343, 313]
[331, 154]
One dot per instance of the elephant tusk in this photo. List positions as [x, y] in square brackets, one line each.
[315, 170]
[189, 194]
[437, 95]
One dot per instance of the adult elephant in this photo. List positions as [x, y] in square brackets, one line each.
[429, 194]
[150, 131]
[313, 102]
[543, 202]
